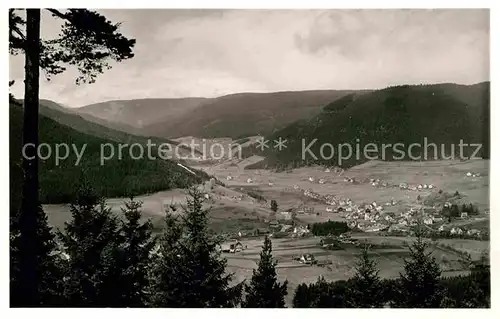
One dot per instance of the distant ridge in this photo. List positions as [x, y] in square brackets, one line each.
[235, 115]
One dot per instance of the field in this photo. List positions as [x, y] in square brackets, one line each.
[338, 264]
[240, 206]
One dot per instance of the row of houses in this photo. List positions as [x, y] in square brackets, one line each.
[376, 219]
[460, 230]
[376, 182]
[416, 187]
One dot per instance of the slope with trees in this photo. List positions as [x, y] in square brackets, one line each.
[116, 178]
[402, 114]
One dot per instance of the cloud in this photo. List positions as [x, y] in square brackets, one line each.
[214, 52]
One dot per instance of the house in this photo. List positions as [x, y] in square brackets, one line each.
[311, 179]
[329, 209]
[225, 248]
[285, 228]
[295, 186]
[307, 259]
[229, 178]
[249, 181]
[321, 181]
[441, 228]
[428, 221]
[270, 184]
[456, 231]
[437, 219]
[469, 174]
[472, 232]
[327, 170]
[237, 247]
[431, 186]
[300, 230]
[308, 209]
[463, 215]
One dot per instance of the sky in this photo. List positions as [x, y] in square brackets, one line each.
[209, 53]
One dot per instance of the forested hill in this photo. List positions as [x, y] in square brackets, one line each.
[442, 113]
[115, 178]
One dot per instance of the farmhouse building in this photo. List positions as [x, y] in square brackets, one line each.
[428, 221]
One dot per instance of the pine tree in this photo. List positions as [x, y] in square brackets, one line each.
[87, 40]
[188, 268]
[419, 285]
[330, 294]
[302, 296]
[138, 244]
[49, 265]
[264, 290]
[365, 290]
[480, 283]
[93, 244]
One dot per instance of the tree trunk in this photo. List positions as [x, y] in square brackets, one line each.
[28, 262]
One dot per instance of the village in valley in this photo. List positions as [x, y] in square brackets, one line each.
[376, 203]
[319, 218]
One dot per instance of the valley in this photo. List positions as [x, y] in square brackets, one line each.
[380, 201]
[228, 158]
[240, 210]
